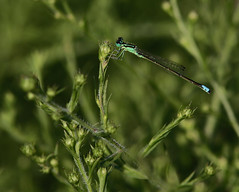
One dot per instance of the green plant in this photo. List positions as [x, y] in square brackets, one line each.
[94, 150]
[127, 126]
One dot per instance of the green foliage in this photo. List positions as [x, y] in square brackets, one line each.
[72, 121]
[163, 133]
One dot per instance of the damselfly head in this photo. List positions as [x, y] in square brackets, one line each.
[119, 42]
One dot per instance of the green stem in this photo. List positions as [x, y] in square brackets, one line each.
[82, 171]
[163, 133]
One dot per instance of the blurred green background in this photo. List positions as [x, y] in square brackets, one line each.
[55, 39]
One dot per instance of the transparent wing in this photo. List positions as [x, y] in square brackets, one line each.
[163, 61]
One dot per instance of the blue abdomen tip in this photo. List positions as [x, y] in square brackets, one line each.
[206, 89]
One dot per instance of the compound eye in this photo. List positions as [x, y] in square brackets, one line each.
[120, 40]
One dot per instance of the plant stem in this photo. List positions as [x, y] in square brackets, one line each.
[82, 171]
